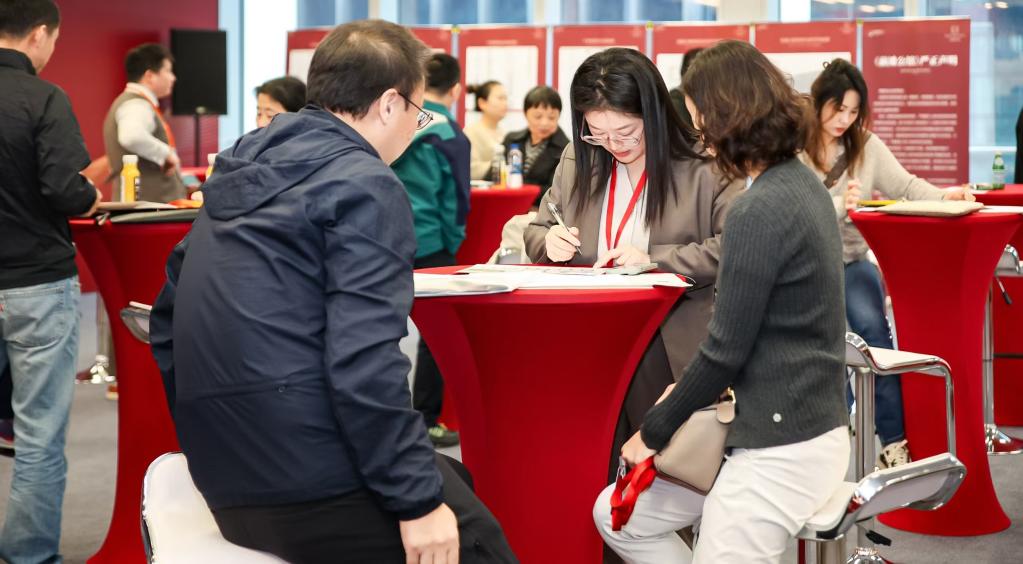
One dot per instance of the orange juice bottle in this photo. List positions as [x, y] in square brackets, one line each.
[129, 178]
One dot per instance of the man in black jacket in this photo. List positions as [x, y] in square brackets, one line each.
[277, 330]
[41, 154]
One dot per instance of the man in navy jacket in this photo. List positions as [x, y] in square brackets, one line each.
[277, 330]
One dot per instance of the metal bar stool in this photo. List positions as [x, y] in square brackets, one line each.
[923, 484]
[998, 443]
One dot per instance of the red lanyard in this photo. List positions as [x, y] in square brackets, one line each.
[628, 211]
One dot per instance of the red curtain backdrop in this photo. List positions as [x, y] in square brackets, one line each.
[89, 65]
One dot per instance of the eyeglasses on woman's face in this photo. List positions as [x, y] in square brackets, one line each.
[424, 118]
[607, 141]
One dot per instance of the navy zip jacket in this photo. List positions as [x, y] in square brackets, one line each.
[277, 330]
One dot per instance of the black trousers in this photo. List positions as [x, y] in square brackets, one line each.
[353, 528]
[6, 391]
[652, 375]
[428, 387]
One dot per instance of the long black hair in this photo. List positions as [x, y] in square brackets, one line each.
[839, 77]
[625, 81]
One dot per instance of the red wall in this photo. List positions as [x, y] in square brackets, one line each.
[88, 64]
[89, 61]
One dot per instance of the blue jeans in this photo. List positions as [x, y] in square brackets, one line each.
[864, 309]
[39, 339]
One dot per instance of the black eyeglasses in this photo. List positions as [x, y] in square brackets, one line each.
[424, 118]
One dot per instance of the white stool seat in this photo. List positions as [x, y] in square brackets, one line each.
[924, 484]
[829, 516]
[177, 523]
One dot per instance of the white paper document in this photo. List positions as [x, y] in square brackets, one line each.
[434, 285]
[562, 270]
[1002, 209]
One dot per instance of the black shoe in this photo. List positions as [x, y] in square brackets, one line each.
[441, 436]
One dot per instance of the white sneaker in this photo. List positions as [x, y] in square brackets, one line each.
[895, 454]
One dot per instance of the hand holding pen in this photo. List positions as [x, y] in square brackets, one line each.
[561, 241]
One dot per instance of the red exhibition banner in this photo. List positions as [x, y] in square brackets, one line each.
[673, 41]
[515, 56]
[302, 43]
[802, 49]
[918, 76]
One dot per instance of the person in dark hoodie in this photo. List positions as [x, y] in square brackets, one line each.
[277, 330]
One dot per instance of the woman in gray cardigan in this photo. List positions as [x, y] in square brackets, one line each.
[629, 142]
[782, 352]
[851, 160]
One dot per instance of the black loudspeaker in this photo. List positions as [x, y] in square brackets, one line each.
[200, 63]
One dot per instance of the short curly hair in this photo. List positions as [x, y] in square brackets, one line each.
[749, 114]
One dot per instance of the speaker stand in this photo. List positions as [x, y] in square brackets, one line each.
[198, 137]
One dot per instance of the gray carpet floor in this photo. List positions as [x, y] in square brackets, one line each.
[91, 457]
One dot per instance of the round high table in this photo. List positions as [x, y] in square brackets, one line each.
[489, 210]
[938, 271]
[1008, 323]
[128, 263]
[538, 378]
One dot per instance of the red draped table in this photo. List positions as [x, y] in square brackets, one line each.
[127, 261]
[938, 271]
[1008, 324]
[538, 378]
[489, 210]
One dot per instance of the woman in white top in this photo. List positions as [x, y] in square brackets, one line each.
[853, 162]
[485, 134]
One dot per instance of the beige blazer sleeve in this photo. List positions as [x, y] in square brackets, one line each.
[698, 260]
[561, 186]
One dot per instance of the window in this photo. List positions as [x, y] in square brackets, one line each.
[617, 11]
[850, 9]
[996, 85]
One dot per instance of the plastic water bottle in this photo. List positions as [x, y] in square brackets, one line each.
[998, 172]
[514, 166]
[496, 164]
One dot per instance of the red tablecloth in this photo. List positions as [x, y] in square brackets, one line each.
[938, 272]
[538, 378]
[489, 210]
[128, 261]
[1008, 324]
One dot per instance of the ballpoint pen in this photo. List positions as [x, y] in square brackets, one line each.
[561, 222]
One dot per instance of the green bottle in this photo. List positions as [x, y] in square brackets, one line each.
[998, 172]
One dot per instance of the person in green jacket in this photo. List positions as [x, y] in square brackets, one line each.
[435, 171]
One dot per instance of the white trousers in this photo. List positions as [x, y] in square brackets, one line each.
[761, 499]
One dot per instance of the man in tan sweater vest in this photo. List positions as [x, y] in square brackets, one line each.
[134, 125]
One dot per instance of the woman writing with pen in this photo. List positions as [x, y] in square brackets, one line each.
[633, 191]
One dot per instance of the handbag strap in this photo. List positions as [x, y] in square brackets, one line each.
[840, 167]
[627, 490]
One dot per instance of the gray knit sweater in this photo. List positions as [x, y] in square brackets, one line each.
[777, 335]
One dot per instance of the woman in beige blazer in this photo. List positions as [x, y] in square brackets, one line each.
[667, 207]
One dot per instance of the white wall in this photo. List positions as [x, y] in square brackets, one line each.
[267, 23]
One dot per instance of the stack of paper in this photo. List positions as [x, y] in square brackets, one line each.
[427, 285]
[932, 208]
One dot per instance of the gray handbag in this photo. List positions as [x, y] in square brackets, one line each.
[694, 455]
